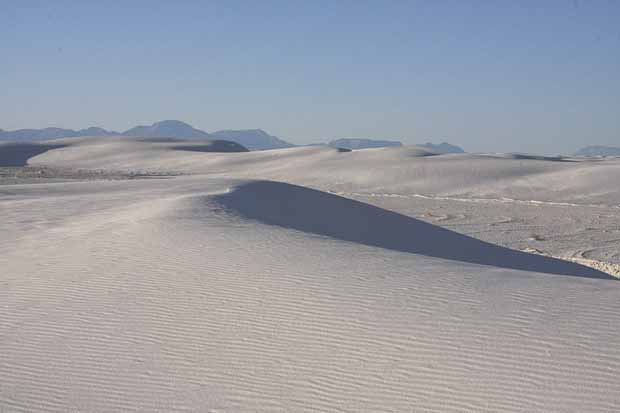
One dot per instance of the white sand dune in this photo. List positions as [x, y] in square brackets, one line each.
[218, 292]
[316, 212]
[404, 170]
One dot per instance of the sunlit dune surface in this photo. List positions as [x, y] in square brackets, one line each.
[306, 279]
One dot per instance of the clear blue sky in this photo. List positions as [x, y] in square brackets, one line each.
[530, 76]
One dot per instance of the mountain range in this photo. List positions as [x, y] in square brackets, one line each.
[252, 139]
[357, 143]
[596, 150]
[29, 135]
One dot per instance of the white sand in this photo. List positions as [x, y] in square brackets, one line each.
[202, 293]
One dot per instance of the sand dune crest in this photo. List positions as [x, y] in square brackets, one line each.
[321, 213]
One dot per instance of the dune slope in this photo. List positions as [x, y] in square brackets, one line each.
[313, 211]
[214, 292]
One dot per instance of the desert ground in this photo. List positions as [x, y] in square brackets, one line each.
[161, 275]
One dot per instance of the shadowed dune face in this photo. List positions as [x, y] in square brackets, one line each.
[17, 154]
[158, 140]
[217, 145]
[213, 146]
[526, 157]
[321, 213]
[541, 158]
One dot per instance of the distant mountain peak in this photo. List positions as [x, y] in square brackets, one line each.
[96, 131]
[253, 139]
[167, 129]
[172, 122]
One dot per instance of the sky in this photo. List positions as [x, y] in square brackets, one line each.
[491, 76]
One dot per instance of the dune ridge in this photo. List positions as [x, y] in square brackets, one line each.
[317, 212]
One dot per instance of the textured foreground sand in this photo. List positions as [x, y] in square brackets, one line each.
[191, 293]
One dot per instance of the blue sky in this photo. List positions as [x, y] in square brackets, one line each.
[528, 76]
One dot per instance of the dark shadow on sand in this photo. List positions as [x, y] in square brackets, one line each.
[521, 156]
[17, 153]
[213, 146]
[321, 213]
